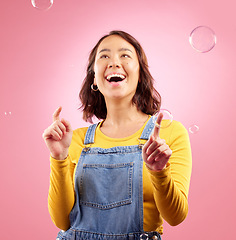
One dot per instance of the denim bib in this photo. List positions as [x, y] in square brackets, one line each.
[108, 192]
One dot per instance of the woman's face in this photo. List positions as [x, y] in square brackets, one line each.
[116, 68]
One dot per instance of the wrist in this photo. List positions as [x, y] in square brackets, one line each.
[62, 156]
[154, 170]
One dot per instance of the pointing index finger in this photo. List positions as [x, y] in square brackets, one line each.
[56, 114]
[157, 125]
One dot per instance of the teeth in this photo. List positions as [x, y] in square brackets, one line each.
[115, 75]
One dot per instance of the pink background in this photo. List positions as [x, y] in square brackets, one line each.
[43, 61]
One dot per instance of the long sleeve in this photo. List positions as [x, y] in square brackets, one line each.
[61, 196]
[61, 192]
[171, 185]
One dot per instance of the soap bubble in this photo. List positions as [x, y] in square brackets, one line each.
[167, 118]
[193, 129]
[202, 39]
[7, 113]
[42, 4]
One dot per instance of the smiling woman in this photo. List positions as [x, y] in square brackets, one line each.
[119, 178]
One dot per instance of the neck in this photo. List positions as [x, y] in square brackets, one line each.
[122, 113]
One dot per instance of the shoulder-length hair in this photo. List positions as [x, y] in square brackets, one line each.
[146, 98]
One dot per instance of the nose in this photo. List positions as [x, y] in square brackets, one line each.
[114, 63]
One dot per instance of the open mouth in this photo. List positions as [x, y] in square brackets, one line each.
[115, 77]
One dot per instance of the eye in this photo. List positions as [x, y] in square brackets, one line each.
[125, 56]
[104, 56]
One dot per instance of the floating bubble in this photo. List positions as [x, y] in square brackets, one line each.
[202, 39]
[167, 118]
[144, 236]
[7, 113]
[193, 129]
[43, 5]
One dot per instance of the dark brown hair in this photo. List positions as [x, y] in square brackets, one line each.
[146, 98]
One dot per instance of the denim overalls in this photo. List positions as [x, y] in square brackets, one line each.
[109, 192]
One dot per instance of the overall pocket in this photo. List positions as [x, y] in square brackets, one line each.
[106, 186]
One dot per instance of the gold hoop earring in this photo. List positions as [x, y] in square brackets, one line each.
[94, 89]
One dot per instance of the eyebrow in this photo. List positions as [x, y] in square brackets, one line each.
[120, 50]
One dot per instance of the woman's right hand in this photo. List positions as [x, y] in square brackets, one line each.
[58, 136]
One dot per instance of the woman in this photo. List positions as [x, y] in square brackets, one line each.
[120, 178]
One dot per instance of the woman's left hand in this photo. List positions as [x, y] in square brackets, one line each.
[156, 152]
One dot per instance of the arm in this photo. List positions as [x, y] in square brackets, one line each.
[61, 195]
[58, 138]
[171, 185]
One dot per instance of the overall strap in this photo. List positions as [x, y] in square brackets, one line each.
[89, 137]
[148, 128]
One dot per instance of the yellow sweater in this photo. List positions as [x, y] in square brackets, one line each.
[165, 193]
